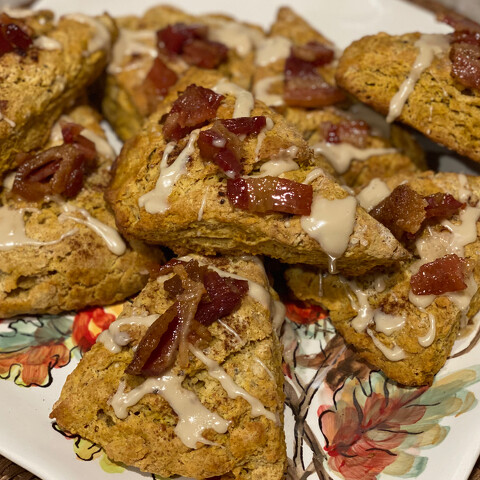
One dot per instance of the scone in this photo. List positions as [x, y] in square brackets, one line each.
[57, 253]
[45, 74]
[188, 182]
[432, 96]
[405, 320]
[210, 405]
[155, 50]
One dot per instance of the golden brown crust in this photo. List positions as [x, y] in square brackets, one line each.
[252, 449]
[439, 107]
[40, 86]
[80, 270]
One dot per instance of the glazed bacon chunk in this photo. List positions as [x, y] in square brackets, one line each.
[354, 132]
[445, 274]
[14, 36]
[442, 206]
[190, 42]
[270, 194]
[192, 109]
[245, 125]
[202, 296]
[57, 171]
[304, 85]
[157, 83]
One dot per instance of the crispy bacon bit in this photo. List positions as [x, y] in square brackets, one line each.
[57, 171]
[465, 60]
[354, 132]
[223, 147]
[445, 274]
[403, 211]
[270, 194]
[245, 125]
[305, 86]
[157, 82]
[192, 109]
[191, 43]
[15, 36]
[202, 296]
[442, 206]
[314, 53]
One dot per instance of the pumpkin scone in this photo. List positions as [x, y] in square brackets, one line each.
[153, 51]
[188, 380]
[43, 71]
[59, 249]
[295, 65]
[432, 85]
[405, 320]
[214, 171]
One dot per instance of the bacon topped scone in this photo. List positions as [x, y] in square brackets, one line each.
[430, 82]
[155, 50]
[214, 171]
[405, 320]
[59, 249]
[188, 380]
[44, 67]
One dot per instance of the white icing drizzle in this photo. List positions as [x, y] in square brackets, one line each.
[229, 329]
[101, 39]
[429, 337]
[193, 417]
[156, 201]
[243, 98]
[269, 372]
[379, 283]
[261, 136]
[101, 145]
[202, 205]
[236, 36]
[261, 91]
[10, 122]
[272, 49]
[47, 43]
[233, 390]
[109, 235]
[131, 42]
[386, 323]
[330, 223]
[17, 12]
[12, 230]
[313, 175]
[464, 190]
[362, 305]
[9, 180]
[278, 315]
[393, 354]
[114, 339]
[376, 191]
[429, 45]
[341, 155]
[276, 167]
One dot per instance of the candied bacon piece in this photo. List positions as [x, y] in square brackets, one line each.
[403, 211]
[442, 206]
[305, 87]
[15, 36]
[204, 53]
[192, 109]
[465, 59]
[157, 82]
[314, 53]
[225, 295]
[270, 194]
[222, 147]
[173, 37]
[245, 125]
[354, 132]
[445, 274]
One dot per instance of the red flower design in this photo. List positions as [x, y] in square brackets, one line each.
[304, 313]
[36, 362]
[362, 439]
[87, 326]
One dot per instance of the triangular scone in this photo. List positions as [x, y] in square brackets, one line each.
[374, 68]
[413, 340]
[294, 45]
[66, 254]
[194, 212]
[64, 58]
[356, 153]
[228, 438]
[129, 95]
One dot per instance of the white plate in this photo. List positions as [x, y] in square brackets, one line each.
[445, 443]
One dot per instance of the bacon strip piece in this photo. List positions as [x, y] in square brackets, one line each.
[314, 53]
[14, 36]
[157, 83]
[192, 109]
[442, 206]
[354, 132]
[270, 194]
[445, 274]
[245, 125]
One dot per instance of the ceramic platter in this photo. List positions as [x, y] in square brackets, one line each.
[338, 426]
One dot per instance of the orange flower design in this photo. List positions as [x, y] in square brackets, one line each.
[303, 313]
[87, 326]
